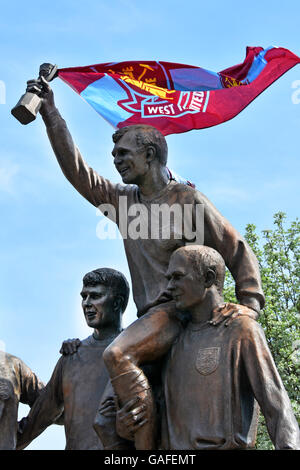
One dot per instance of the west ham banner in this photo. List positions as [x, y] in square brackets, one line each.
[173, 97]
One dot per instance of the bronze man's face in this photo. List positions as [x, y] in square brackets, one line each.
[97, 305]
[130, 160]
[185, 287]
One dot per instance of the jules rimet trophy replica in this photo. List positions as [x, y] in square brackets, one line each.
[29, 104]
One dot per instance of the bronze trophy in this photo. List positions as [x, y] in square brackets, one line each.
[29, 104]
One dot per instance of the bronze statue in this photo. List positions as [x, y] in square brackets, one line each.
[79, 379]
[140, 155]
[214, 375]
[17, 384]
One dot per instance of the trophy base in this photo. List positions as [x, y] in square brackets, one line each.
[27, 108]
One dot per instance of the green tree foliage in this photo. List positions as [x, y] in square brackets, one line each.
[278, 254]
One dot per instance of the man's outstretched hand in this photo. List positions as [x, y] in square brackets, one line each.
[227, 312]
[70, 346]
[41, 87]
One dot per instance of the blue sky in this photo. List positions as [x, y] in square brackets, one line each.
[248, 167]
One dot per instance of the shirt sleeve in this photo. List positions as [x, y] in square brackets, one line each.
[45, 410]
[268, 389]
[93, 187]
[31, 386]
[237, 254]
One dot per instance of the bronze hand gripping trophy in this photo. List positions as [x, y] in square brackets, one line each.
[29, 104]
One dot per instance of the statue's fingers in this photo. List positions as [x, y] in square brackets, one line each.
[235, 314]
[140, 416]
[109, 402]
[108, 413]
[222, 317]
[228, 322]
[73, 348]
[220, 307]
[68, 348]
[64, 349]
[71, 345]
[33, 80]
[34, 85]
[45, 84]
[128, 406]
[139, 425]
[135, 416]
[74, 345]
[138, 410]
[102, 410]
[218, 317]
[111, 407]
[34, 88]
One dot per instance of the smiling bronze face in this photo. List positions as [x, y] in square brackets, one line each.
[97, 304]
[130, 159]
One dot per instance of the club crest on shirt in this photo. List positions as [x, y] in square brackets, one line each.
[207, 360]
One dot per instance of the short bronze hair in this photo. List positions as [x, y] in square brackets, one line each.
[146, 135]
